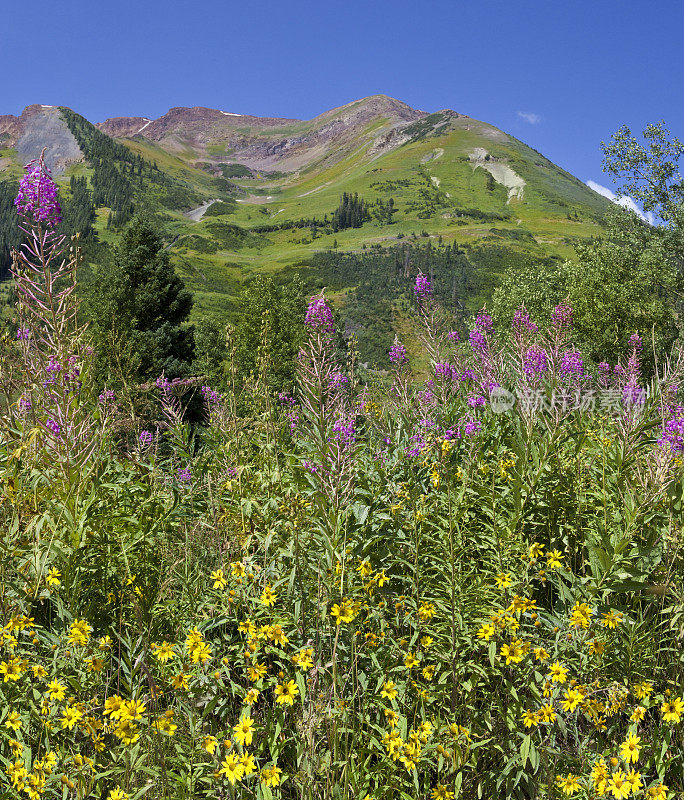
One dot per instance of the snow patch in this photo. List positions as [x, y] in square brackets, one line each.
[436, 181]
[44, 106]
[231, 114]
[149, 122]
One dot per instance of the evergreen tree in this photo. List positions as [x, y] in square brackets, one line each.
[140, 308]
[286, 306]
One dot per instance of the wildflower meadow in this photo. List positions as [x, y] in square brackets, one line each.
[467, 585]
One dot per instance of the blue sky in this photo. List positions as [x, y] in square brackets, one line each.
[559, 76]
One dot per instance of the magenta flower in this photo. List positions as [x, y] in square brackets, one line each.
[37, 198]
[572, 364]
[522, 323]
[397, 353]
[535, 363]
[319, 316]
[562, 316]
[423, 287]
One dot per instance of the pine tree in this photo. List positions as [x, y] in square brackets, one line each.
[141, 305]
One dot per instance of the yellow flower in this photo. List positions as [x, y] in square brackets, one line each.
[440, 792]
[345, 612]
[503, 580]
[599, 775]
[540, 654]
[251, 697]
[163, 652]
[411, 661]
[629, 749]
[256, 671]
[672, 711]
[426, 642]
[180, 681]
[558, 673]
[611, 619]
[286, 693]
[389, 690]
[70, 716]
[232, 768]
[53, 576]
[486, 631]
[553, 559]
[117, 794]
[572, 698]
[638, 714]
[536, 549]
[165, 723]
[513, 652]
[547, 713]
[596, 647]
[268, 596]
[11, 670]
[530, 719]
[643, 689]
[39, 671]
[426, 611]
[132, 710]
[302, 660]
[568, 784]
[619, 785]
[13, 721]
[391, 716]
[237, 568]
[658, 792]
[219, 581]
[248, 763]
[209, 743]
[271, 776]
[634, 780]
[244, 731]
[581, 615]
[79, 633]
[429, 672]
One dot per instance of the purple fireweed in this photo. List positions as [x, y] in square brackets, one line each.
[422, 288]
[397, 352]
[484, 322]
[184, 475]
[522, 324]
[571, 364]
[37, 199]
[444, 371]
[672, 439]
[478, 340]
[23, 334]
[145, 439]
[319, 316]
[561, 318]
[453, 336]
[107, 396]
[535, 363]
[476, 400]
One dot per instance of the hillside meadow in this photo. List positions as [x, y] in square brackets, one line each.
[464, 587]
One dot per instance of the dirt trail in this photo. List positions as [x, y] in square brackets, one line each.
[197, 213]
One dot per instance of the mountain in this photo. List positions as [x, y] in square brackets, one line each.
[357, 198]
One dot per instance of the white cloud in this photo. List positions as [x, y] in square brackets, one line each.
[529, 116]
[626, 201]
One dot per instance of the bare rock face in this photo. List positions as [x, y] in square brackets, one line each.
[264, 143]
[123, 127]
[38, 127]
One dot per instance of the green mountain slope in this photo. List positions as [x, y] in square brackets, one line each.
[439, 191]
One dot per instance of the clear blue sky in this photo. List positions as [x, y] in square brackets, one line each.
[560, 76]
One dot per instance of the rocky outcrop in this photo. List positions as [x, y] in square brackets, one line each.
[38, 127]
